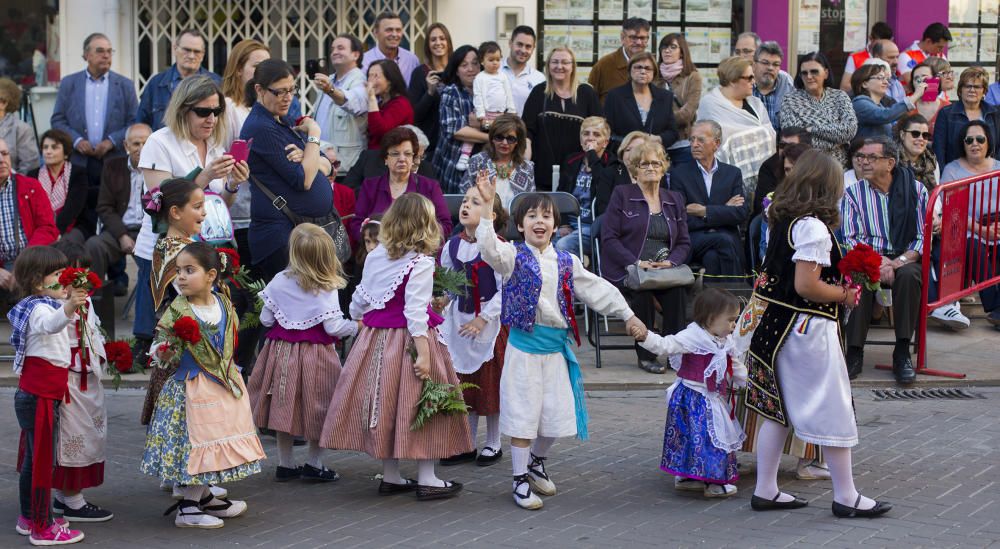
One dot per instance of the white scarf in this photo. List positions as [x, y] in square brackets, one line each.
[698, 341]
[55, 189]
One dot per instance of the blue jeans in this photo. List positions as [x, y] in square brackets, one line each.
[24, 409]
[571, 242]
[145, 316]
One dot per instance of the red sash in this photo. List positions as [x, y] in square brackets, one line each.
[49, 383]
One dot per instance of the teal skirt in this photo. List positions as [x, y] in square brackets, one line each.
[168, 445]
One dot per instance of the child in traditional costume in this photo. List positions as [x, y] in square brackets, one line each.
[797, 372]
[472, 329]
[702, 436]
[296, 373]
[41, 359]
[375, 402]
[202, 428]
[541, 388]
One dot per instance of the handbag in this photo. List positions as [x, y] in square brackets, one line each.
[331, 223]
[638, 279]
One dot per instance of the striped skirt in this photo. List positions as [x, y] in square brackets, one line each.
[376, 398]
[751, 422]
[291, 387]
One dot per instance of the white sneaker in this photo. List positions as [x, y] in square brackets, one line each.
[224, 508]
[192, 517]
[462, 164]
[538, 478]
[217, 491]
[684, 484]
[950, 316]
[523, 496]
[719, 490]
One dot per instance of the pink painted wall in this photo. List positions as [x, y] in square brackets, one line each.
[770, 21]
[909, 23]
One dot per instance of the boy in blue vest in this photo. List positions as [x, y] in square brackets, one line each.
[541, 388]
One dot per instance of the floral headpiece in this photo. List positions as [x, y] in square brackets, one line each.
[152, 199]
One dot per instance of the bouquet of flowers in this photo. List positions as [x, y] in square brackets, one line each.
[75, 277]
[119, 355]
[861, 267]
[242, 279]
[184, 331]
[449, 281]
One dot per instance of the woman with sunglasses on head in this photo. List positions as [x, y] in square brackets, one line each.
[503, 160]
[870, 84]
[952, 119]
[816, 104]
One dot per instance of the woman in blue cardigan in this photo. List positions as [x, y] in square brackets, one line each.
[870, 84]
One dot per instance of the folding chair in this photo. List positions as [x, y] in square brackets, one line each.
[594, 332]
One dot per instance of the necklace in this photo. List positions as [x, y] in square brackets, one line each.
[504, 170]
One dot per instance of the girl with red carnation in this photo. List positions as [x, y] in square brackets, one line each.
[797, 372]
[201, 432]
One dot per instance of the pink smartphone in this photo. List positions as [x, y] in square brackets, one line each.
[240, 150]
[933, 88]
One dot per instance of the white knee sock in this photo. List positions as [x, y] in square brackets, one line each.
[770, 440]
[425, 473]
[542, 445]
[285, 443]
[519, 458]
[844, 492]
[493, 431]
[74, 502]
[390, 471]
[58, 495]
[315, 455]
[473, 426]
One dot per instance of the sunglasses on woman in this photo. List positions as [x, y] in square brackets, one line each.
[508, 139]
[205, 112]
[917, 134]
[981, 139]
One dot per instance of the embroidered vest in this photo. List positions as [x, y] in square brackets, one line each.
[479, 273]
[524, 287]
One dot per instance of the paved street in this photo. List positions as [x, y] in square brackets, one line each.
[935, 459]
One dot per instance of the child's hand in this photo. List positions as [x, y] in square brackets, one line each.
[487, 188]
[473, 327]
[636, 329]
[439, 303]
[360, 325]
[77, 298]
[422, 367]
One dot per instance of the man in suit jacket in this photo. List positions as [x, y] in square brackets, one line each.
[716, 205]
[189, 50]
[611, 71]
[120, 204]
[95, 106]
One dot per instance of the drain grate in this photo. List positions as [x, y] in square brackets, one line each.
[925, 394]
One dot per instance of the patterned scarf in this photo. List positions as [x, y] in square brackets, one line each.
[923, 168]
[164, 266]
[215, 363]
[56, 187]
[18, 317]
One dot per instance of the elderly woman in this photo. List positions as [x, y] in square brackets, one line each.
[503, 158]
[457, 127]
[913, 135]
[426, 84]
[870, 83]
[371, 164]
[65, 185]
[746, 126]
[17, 134]
[928, 109]
[678, 74]
[646, 225]
[284, 165]
[619, 172]
[398, 148]
[816, 105]
[577, 177]
[388, 106]
[553, 114]
[953, 118]
[638, 105]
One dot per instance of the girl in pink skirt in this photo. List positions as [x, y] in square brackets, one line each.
[296, 372]
[398, 347]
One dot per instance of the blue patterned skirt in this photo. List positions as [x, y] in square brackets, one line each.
[687, 446]
[168, 445]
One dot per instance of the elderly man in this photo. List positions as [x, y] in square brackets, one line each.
[517, 66]
[189, 50]
[768, 86]
[388, 34]
[716, 205]
[120, 204]
[885, 210]
[26, 219]
[880, 31]
[611, 71]
[94, 107]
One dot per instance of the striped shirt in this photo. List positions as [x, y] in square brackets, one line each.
[12, 238]
[864, 213]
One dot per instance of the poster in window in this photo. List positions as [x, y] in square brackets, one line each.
[581, 41]
[609, 39]
[611, 10]
[708, 44]
[855, 25]
[708, 11]
[668, 10]
[555, 36]
[964, 11]
[988, 12]
[640, 8]
[581, 10]
[988, 48]
[557, 9]
[808, 39]
[964, 45]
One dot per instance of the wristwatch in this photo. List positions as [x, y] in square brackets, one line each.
[311, 139]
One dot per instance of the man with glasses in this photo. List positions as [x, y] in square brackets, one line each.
[189, 51]
[885, 210]
[769, 86]
[880, 31]
[95, 107]
[716, 205]
[388, 34]
[611, 71]
[518, 66]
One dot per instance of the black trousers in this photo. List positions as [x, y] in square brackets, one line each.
[905, 307]
[673, 303]
[719, 252]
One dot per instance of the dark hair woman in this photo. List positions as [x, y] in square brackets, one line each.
[456, 104]
[678, 74]
[503, 159]
[388, 106]
[66, 187]
[426, 84]
[638, 105]
[816, 104]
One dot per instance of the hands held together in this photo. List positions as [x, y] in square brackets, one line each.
[636, 329]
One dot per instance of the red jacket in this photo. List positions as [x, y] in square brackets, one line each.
[396, 112]
[35, 210]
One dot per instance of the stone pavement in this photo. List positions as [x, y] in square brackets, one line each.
[935, 459]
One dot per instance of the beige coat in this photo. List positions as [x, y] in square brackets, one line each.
[610, 72]
[687, 94]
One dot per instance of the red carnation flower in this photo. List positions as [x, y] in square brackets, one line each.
[94, 280]
[234, 258]
[68, 276]
[119, 355]
[862, 265]
[187, 329]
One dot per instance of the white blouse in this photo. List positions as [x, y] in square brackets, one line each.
[47, 336]
[95, 341]
[594, 291]
[811, 241]
[382, 276]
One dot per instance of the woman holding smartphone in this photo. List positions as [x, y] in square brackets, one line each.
[931, 101]
[426, 84]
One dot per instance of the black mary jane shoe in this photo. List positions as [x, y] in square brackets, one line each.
[285, 474]
[459, 458]
[318, 474]
[391, 489]
[843, 511]
[485, 461]
[450, 490]
[758, 503]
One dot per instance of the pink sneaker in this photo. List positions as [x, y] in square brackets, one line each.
[56, 535]
[23, 525]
